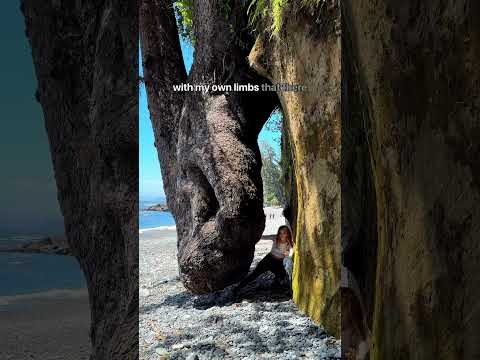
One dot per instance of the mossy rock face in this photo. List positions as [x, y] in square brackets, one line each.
[418, 70]
[312, 140]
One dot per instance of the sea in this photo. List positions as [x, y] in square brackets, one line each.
[149, 220]
[27, 273]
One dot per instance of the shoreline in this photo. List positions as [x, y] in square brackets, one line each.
[73, 293]
[52, 324]
[158, 228]
[48, 318]
[273, 219]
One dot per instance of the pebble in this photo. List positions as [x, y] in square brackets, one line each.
[144, 292]
[175, 324]
[161, 351]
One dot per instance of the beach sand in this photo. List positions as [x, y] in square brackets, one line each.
[262, 324]
[46, 326]
[274, 219]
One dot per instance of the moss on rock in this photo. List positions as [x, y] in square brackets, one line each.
[312, 144]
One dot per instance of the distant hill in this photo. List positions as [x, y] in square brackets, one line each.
[153, 199]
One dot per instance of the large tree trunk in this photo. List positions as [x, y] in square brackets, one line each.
[86, 56]
[415, 68]
[207, 143]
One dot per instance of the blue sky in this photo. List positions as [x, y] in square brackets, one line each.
[150, 182]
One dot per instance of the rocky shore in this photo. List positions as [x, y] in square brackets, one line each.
[262, 322]
[157, 207]
[47, 245]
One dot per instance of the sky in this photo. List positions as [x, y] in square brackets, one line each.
[151, 185]
[28, 196]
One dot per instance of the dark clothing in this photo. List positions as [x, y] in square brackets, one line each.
[268, 263]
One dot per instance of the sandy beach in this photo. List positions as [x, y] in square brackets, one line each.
[48, 325]
[44, 306]
[263, 324]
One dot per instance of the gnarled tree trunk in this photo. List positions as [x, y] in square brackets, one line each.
[85, 56]
[207, 142]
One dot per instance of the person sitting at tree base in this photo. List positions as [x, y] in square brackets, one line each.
[282, 248]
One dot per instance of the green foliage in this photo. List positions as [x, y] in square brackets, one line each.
[271, 10]
[274, 11]
[227, 8]
[275, 121]
[273, 193]
[277, 15]
[184, 11]
[258, 9]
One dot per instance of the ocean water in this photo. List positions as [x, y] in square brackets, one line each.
[25, 273]
[154, 219]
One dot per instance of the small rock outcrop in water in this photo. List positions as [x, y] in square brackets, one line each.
[49, 245]
[157, 207]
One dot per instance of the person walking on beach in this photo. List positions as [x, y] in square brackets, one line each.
[282, 247]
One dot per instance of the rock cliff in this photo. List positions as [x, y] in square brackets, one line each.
[412, 81]
[307, 51]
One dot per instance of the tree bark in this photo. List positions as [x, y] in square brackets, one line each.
[207, 142]
[86, 62]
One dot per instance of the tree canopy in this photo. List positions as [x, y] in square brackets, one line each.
[273, 194]
[269, 11]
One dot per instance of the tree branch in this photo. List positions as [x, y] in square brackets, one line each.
[162, 62]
